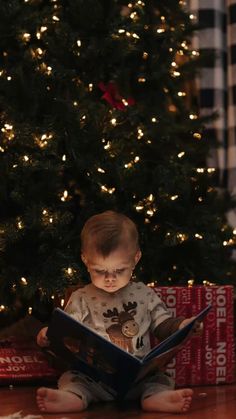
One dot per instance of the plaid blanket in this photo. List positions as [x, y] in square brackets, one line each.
[217, 85]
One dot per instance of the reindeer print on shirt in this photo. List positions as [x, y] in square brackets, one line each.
[125, 327]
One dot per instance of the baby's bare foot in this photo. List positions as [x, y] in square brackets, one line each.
[50, 400]
[169, 401]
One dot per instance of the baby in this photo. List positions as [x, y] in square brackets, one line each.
[110, 251]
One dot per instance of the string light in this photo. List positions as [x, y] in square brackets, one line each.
[160, 30]
[8, 131]
[41, 30]
[124, 101]
[147, 204]
[20, 225]
[208, 283]
[203, 170]
[140, 133]
[132, 162]
[184, 45]
[182, 237]
[24, 280]
[47, 217]
[107, 146]
[175, 73]
[44, 68]
[100, 170]
[211, 169]
[198, 236]
[197, 136]
[230, 242]
[107, 190]
[181, 94]
[192, 116]
[64, 196]
[26, 37]
[141, 79]
[43, 140]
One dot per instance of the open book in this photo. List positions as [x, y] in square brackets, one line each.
[103, 361]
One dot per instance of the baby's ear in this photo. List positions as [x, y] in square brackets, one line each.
[137, 257]
[84, 259]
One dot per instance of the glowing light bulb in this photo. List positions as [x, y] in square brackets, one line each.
[24, 280]
[192, 116]
[101, 170]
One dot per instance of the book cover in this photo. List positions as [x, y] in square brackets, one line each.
[103, 361]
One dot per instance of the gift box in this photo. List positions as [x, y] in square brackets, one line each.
[209, 358]
[22, 361]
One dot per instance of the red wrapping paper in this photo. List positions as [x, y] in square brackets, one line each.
[209, 358]
[23, 361]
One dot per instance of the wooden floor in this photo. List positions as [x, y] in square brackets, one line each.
[216, 402]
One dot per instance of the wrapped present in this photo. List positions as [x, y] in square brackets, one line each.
[22, 361]
[209, 358]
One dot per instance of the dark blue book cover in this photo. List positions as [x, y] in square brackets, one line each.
[103, 361]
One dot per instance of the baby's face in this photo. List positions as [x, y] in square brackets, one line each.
[112, 272]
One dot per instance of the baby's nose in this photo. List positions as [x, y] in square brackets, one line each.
[110, 275]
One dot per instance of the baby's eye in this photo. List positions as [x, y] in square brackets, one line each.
[120, 271]
[99, 272]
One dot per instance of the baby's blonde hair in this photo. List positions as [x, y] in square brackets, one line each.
[108, 231]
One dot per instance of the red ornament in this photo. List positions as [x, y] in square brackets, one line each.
[113, 97]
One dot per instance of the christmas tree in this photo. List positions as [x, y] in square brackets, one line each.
[95, 115]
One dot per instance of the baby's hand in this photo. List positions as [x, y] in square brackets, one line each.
[42, 339]
[197, 329]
